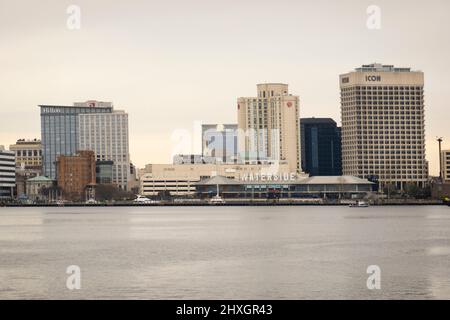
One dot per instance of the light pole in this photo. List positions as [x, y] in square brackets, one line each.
[439, 140]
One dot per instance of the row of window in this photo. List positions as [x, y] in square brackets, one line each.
[28, 153]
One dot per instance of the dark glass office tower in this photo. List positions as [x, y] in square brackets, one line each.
[59, 131]
[320, 147]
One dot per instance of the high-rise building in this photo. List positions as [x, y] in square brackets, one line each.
[7, 173]
[383, 129]
[268, 126]
[320, 147]
[76, 174]
[107, 135]
[59, 130]
[219, 141]
[28, 153]
[445, 163]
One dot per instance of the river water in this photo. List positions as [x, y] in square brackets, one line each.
[225, 252]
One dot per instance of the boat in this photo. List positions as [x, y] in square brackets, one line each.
[60, 203]
[216, 200]
[359, 204]
[144, 200]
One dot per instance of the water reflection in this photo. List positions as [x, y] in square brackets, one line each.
[225, 252]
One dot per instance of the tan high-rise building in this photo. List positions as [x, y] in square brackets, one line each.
[445, 164]
[383, 129]
[268, 126]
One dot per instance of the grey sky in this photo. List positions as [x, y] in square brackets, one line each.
[170, 63]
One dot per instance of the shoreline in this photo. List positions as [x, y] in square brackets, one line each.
[228, 204]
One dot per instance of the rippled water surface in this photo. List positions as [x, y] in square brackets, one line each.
[225, 252]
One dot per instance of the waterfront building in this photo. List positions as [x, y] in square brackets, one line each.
[107, 135]
[104, 172]
[180, 180]
[193, 159]
[445, 163]
[133, 180]
[268, 126]
[22, 175]
[28, 153]
[7, 173]
[35, 188]
[320, 147]
[76, 175]
[220, 142]
[59, 130]
[383, 126]
[329, 187]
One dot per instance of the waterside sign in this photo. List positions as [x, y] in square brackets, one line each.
[265, 177]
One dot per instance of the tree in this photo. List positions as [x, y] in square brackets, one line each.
[108, 192]
[390, 190]
[412, 190]
[165, 195]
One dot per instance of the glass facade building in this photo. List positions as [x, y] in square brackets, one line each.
[104, 172]
[59, 131]
[321, 147]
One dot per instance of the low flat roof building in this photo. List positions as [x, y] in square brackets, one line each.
[180, 179]
[35, 187]
[312, 187]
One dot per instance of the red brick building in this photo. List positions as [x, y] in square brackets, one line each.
[76, 174]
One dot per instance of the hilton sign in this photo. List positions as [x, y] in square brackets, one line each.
[373, 78]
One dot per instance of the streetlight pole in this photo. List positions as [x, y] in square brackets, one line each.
[439, 140]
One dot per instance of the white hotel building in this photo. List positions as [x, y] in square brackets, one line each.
[268, 126]
[107, 135]
[7, 173]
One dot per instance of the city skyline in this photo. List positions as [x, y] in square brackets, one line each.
[168, 71]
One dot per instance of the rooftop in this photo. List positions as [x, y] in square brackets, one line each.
[87, 104]
[335, 180]
[28, 141]
[317, 120]
[40, 179]
[378, 67]
[219, 180]
[328, 180]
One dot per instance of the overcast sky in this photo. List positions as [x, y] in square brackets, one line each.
[173, 62]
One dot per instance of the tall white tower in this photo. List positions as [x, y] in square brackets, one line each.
[268, 126]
